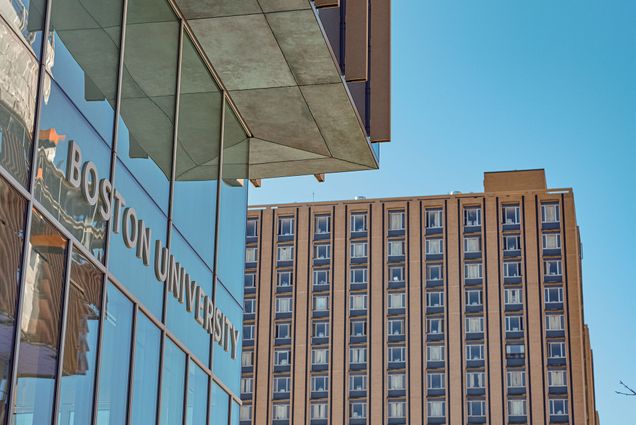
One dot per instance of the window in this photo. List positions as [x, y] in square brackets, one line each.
[436, 408]
[512, 243]
[550, 213]
[472, 244]
[512, 269]
[397, 300]
[321, 277]
[357, 355]
[319, 383]
[559, 407]
[397, 354]
[434, 246]
[516, 378]
[283, 330]
[359, 382]
[322, 252]
[319, 356]
[433, 219]
[281, 384]
[397, 381]
[554, 322]
[474, 324]
[358, 250]
[434, 272]
[358, 328]
[396, 220]
[472, 271]
[321, 303]
[248, 332]
[475, 380]
[286, 253]
[514, 324]
[435, 326]
[553, 295]
[249, 305]
[247, 358]
[396, 248]
[321, 329]
[396, 327]
[434, 299]
[245, 412]
[280, 412]
[251, 255]
[472, 216]
[284, 279]
[511, 215]
[319, 411]
[516, 408]
[476, 408]
[282, 357]
[436, 381]
[512, 296]
[475, 352]
[556, 350]
[397, 409]
[358, 275]
[251, 230]
[396, 274]
[323, 224]
[515, 351]
[285, 226]
[250, 280]
[473, 297]
[556, 378]
[552, 267]
[358, 222]
[551, 241]
[358, 410]
[283, 305]
[435, 353]
[358, 302]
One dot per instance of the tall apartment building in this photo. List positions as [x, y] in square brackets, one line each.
[455, 309]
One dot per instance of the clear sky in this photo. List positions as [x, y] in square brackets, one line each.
[497, 85]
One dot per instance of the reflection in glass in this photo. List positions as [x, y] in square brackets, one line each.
[197, 153]
[146, 372]
[12, 213]
[115, 363]
[39, 324]
[148, 95]
[225, 367]
[220, 405]
[86, 35]
[233, 205]
[236, 413]
[26, 18]
[197, 407]
[80, 343]
[172, 384]
[61, 123]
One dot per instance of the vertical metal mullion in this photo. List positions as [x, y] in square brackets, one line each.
[186, 382]
[131, 369]
[62, 330]
[208, 407]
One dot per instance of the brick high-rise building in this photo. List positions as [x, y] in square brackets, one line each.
[452, 309]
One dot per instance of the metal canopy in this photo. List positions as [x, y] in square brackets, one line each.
[274, 60]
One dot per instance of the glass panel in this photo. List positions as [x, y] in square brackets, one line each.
[227, 368]
[26, 18]
[172, 384]
[115, 361]
[146, 379]
[236, 413]
[86, 35]
[148, 95]
[220, 406]
[60, 124]
[233, 205]
[12, 214]
[197, 396]
[39, 324]
[80, 344]
[197, 154]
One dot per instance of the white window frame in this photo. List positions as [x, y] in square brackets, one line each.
[393, 296]
[251, 254]
[399, 351]
[286, 380]
[401, 269]
[512, 383]
[283, 223]
[352, 382]
[280, 411]
[325, 255]
[517, 412]
[317, 378]
[396, 248]
[252, 280]
[397, 409]
[364, 322]
[252, 303]
[401, 220]
[319, 410]
[247, 358]
[550, 290]
[396, 378]
[352, 408]
[513, 296]
[475, 380]
[433, 412]
[321, 298]
[434, 246]
[546, 239]
[506, 245]
[359, 353]
[319, 272]
[479, 293]
[469, 267]
[319, 218]
[282, 273]
[553, 409]
[359, 249]
[544, 213]
[317, 354]
[430, 267]
[511, 265]
[355, 304]
[282, 357]
[561, 381]
[248, 335]
[477, 211]
[283, 326]
[481, 409]
[285, 253]
[430, 349]
[354, 217]
[429, 327]
[247, 226]
[510, 322]
[551, 319]
[470, 327]
[470, 348]
[392, 322]
[431, 376]
[470, 245]
[432, 296]
[319, 324]
[559, 267]
[434, 219]
[516, 214]
[282, 302]
[365, 274]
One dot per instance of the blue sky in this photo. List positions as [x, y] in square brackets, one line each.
[496, 85]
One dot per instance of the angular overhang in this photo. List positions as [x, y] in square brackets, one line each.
[276, 63]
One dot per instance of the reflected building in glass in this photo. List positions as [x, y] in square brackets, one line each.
[129, 133]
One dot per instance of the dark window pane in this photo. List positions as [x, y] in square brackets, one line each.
[172, 385]
[12, 214]
[115, 359]
[80, 344]
[146, 379]
[197, 396]
[220, 405]
[39, 324]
